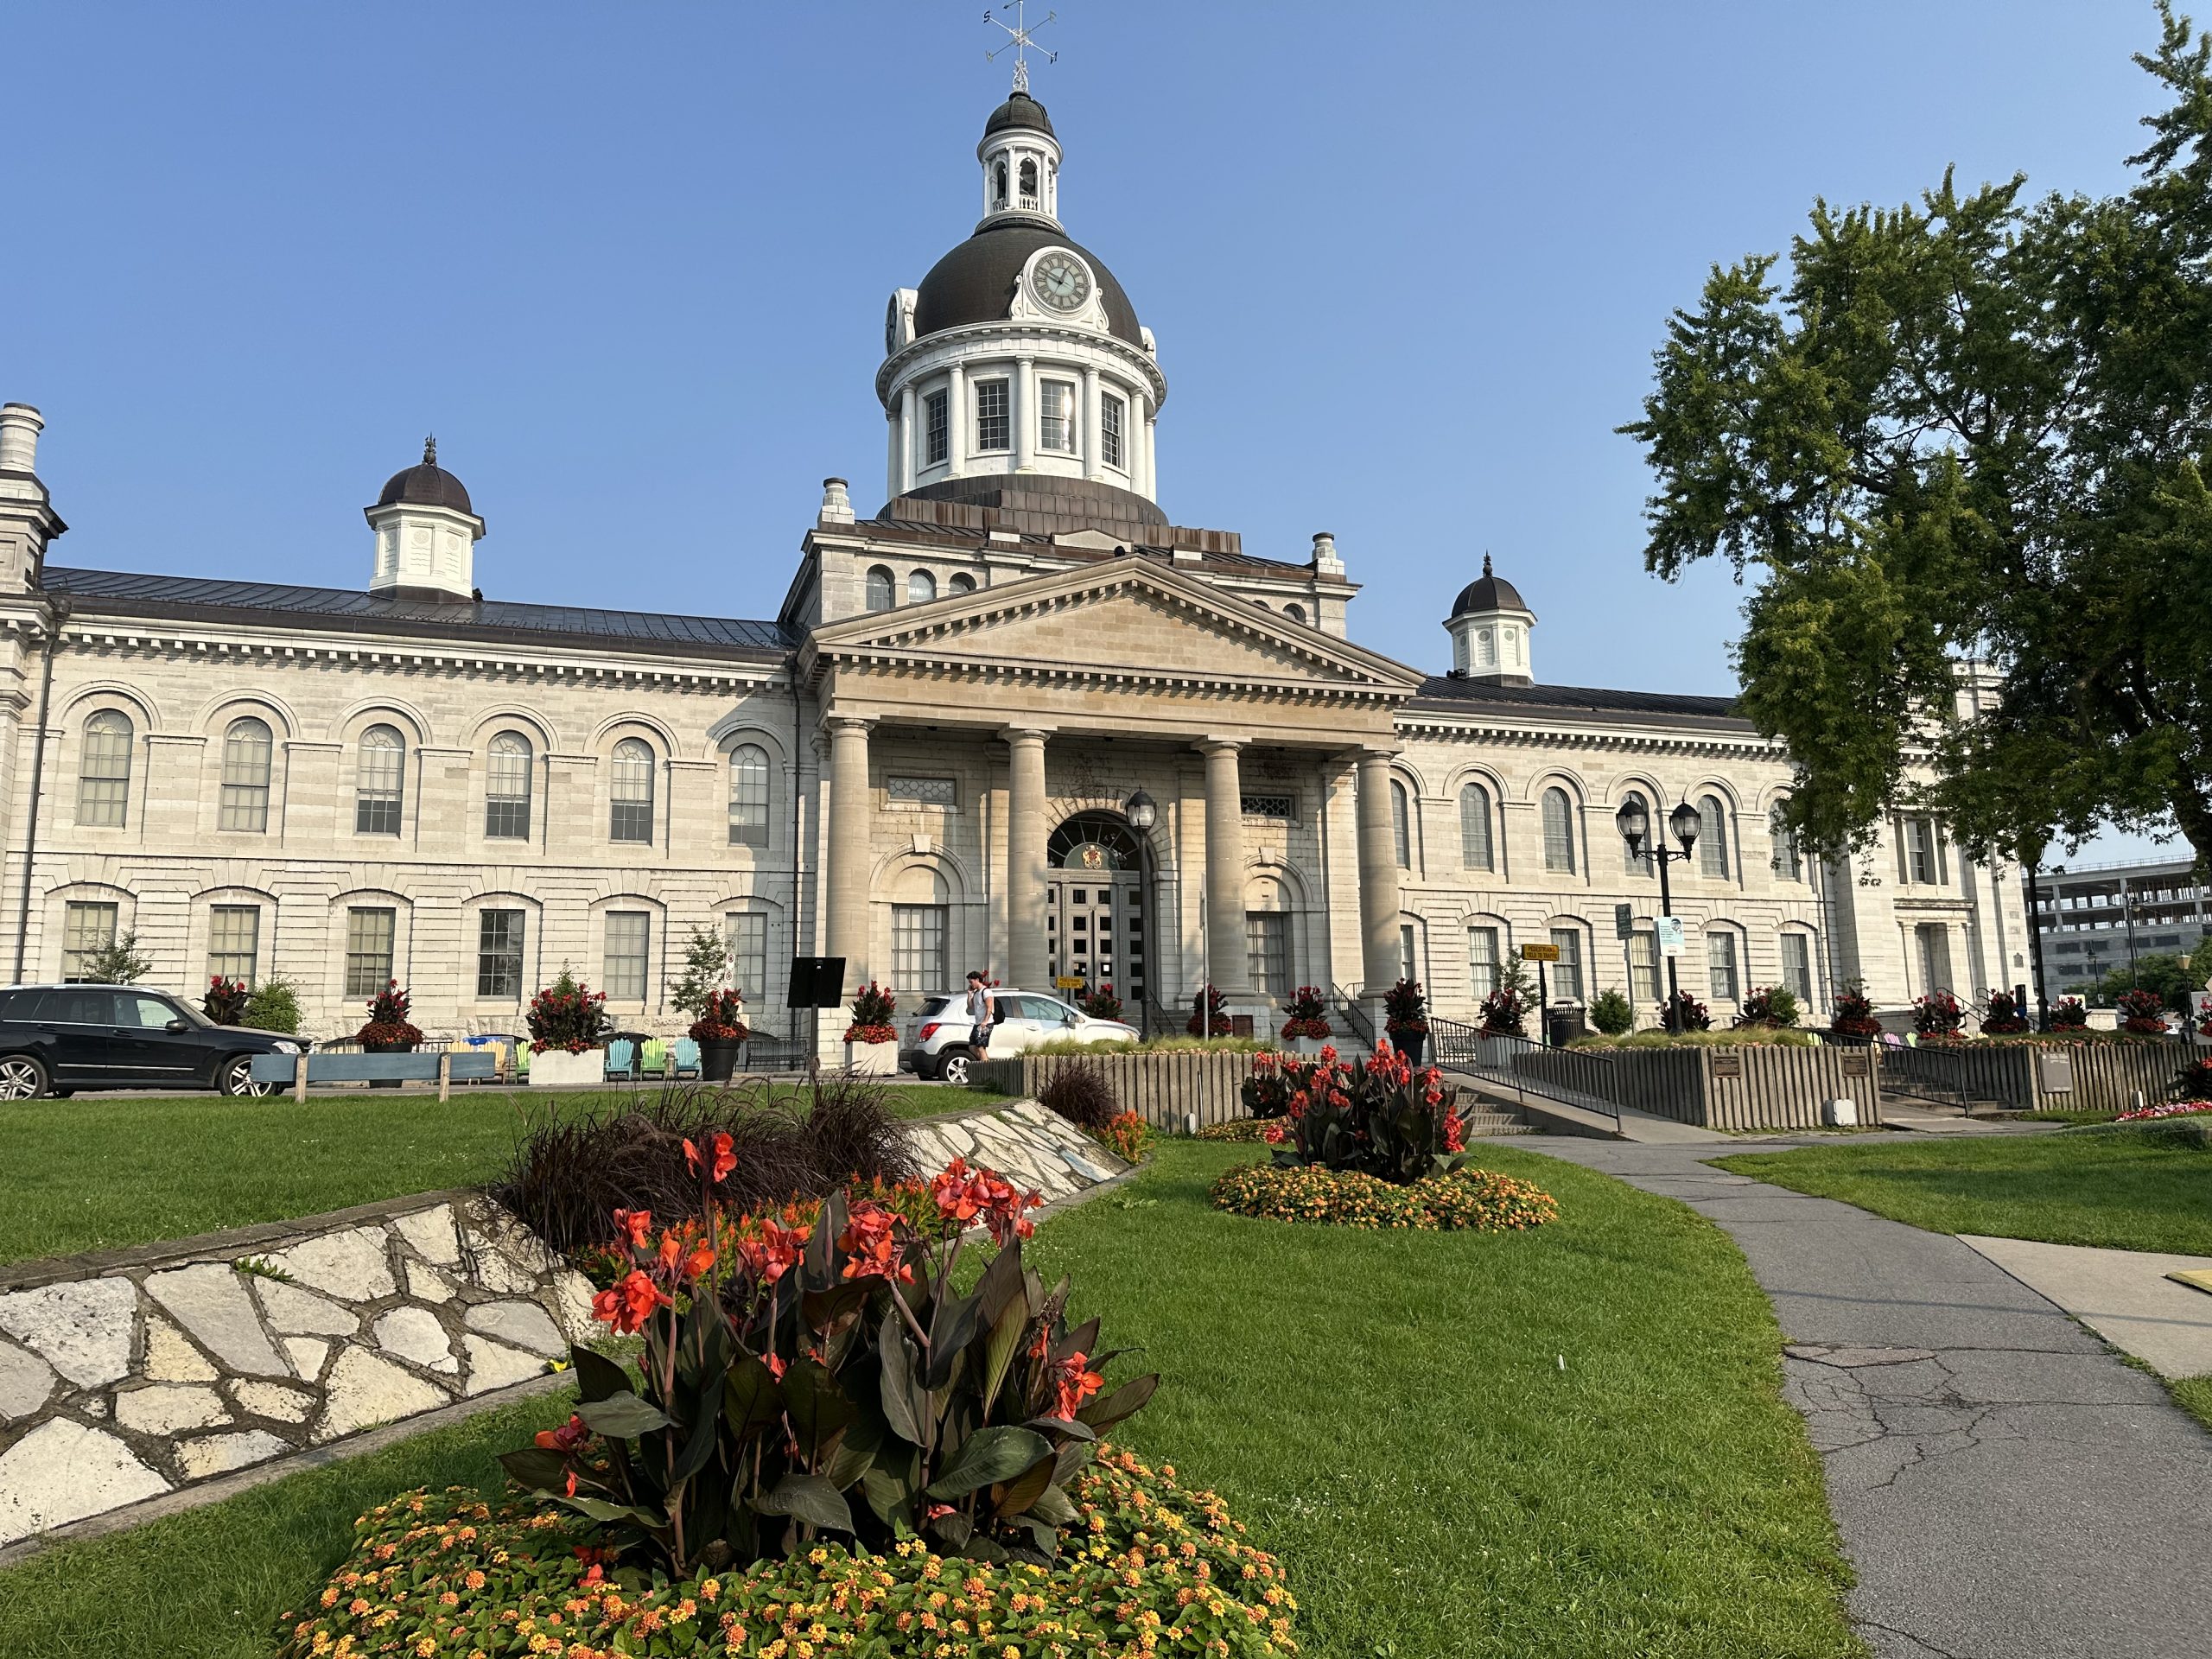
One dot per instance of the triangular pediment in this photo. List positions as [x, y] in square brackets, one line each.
[1129, 617]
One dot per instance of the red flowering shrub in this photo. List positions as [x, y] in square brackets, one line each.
[2143, 1012]
[566, 1015]
[1405, 1009]
[1378, 1115]
[1307, 1015]
[829, 1381]
[2069, 1014]
[1101, 1003]
[1208, 1014]
[2000, 1016]
[388, 1023]
[224, 1001]
[1128, 1136]
[872, 1011]
[1505, 1012]
[1854, 1013]
[1938, 1015]
[721, 1020]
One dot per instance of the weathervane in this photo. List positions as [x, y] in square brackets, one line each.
[1021, 40]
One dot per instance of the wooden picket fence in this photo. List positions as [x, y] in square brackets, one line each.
[1165, 1089]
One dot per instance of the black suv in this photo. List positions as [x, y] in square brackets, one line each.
[55, 1039]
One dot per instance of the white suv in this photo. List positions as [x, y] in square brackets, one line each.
[938, 1039]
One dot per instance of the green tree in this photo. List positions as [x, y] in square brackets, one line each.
[1972, 432]
[117, 963]
[2161, 971]
[706, 962]
[274, 1005]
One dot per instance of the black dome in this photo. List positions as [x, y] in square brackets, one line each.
[428, 485]
[975, 283]
[1019, 110]
[1487, 593]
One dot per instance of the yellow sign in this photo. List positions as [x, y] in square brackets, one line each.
[1069, 982]
[1540, 953]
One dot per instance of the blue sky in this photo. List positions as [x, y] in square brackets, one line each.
[1407, 266]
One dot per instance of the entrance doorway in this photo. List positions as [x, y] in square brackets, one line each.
[1096, 920]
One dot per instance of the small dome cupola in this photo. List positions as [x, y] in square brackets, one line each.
[426, 533]
[1489, 627]
[1021, 163]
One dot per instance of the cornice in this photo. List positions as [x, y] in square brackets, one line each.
[1641, 739]
[1013, 334]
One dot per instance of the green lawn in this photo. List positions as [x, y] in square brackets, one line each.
[1565, 1442]
[100, 1171]
[2121, 1190]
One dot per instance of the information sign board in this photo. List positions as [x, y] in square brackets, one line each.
[1540, 953]
[1670, 935]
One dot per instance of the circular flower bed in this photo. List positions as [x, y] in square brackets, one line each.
[1238, 1130]
[1149, 1567]
[1478, 1199]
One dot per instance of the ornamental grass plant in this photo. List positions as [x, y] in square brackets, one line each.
[1082, 1094]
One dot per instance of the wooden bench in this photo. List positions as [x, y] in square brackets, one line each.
[445, 1068]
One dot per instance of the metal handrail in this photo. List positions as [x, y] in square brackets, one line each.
[1348, 1005]
[1490, 1053]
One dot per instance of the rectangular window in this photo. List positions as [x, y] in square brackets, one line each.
[1720, 965]
[628, 934]
[918, 959]
[1482, 960]
[935, 430]
[1797, 967]
[1271, 806]
[498, 953]
[1566, 972]
[1644, 968]
[1111, 412]
[993, 428]
[85, 930]
[1267, 951]
[1408, 957]
[234, 941]
[1055, 416]
[747, 932]
[369, 935]
[921, 791]
[1920, 851]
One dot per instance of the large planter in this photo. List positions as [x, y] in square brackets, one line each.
[1308, 1047]
[1411, 1044]
[386, 1048]
[872, 1059]
[718, 1057]
[558, 1068]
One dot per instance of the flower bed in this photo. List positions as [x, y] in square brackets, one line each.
[2171, 1109]
[1153, 1566]
[1238, 1130]
[1476, 1199]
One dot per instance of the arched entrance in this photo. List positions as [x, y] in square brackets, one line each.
[1097, 921]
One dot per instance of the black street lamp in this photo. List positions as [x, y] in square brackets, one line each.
[1633, 821]
[1141, 812]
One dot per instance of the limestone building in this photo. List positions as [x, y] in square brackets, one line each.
[1017, 718]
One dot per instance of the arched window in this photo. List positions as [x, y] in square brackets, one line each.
[1639, 862]
[1476, 849]
[921, 588]
[506, 789]
[1789, 863]
[630, 811]
[377, 779]
[1559, 831]
[748, 796]
[962, 582]
[1712, 836]
[1402, 831]
[246, 749]
[1029, 183]
[998, 184]
[1294, 611]
[882, 587]
[103, 770]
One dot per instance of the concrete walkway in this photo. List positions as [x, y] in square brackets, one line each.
[2124, 1296]
[2006, 1488]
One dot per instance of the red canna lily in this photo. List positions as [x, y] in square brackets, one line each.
[698, 1263]
[870, 1245]
[635, 1225]
[723, 1161]
[671, 1247]
[567, 1437]
[629, 1304]
[1073, 1382]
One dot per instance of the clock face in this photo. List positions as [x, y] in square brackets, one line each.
[891, 341]
[1060, 282]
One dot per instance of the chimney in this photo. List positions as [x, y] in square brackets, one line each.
[1325, 562]
[19, 425]
[836, 503]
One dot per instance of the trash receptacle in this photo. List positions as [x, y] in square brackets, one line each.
[1563, 1023]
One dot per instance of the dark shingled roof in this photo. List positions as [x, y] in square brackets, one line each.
[1019, 110]
[426, 484]
[1488, 592]
[1458, 696]
[975, 283]
[205, 599]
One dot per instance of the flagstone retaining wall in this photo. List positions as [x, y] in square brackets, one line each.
[126, 1375]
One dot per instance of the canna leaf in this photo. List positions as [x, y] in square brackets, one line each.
[817, 1411]
[1108, 1409]
[1054, 1507]
[598, 1377]
[536, 1467]
[988, 1456]
[1000, 1348]
[904, 1409]
[1013, 1497]
[622, 1417]
[750, 1398]
[809, 1498]
[701, 1444]
[952, 1330]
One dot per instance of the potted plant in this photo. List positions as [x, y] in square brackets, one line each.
[2069, 1014]
[2143, 1012]
[718, 1031]
[567, 1022]
[1405, 1017]
[1854, 1012]
[1307, 1029]
[388, 1031]
[224, 1001]
[1772, 1007]
[1101, 1004]
[1208, 1014]
[1690, 1014]
[2000, 1016]
[1937, 1015]
[871, 1041]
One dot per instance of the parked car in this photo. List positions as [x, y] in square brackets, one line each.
[939, 1038]
[56, 1039]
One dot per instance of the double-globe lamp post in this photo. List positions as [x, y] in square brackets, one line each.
[1634, 821]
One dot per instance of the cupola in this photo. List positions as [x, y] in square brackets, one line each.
[1490, 628]
[1021, 162]
[426, 532]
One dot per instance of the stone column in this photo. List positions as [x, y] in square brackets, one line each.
[1152, 455]
[1093, 456]
[955, 421]
[1226, 964]
[1025, 964]
[845, 930]
[1025, 413]
[1378, 875]
[907, 439]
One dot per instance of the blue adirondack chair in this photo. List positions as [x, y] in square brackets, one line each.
[621, 1060]
[686, 1053]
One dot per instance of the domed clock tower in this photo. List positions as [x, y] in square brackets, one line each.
[1018, 371]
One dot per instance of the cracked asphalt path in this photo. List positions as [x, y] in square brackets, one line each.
[2005, 1485]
